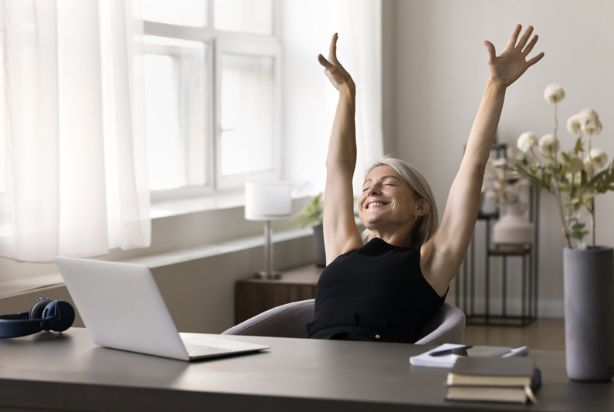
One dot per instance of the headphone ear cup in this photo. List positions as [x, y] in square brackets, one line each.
[58, 316]
[36, 312]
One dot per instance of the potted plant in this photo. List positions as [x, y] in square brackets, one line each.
[311, 214]
[575, 177]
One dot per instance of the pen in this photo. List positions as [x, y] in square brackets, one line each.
[519, 351]
[460, 350]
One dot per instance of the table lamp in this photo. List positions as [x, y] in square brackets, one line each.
[267, 201]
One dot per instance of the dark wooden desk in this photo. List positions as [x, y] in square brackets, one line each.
[51, 372]
[253, 295]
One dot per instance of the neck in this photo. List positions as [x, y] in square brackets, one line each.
[396, 237]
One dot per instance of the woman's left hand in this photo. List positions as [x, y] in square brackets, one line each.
[512, 63]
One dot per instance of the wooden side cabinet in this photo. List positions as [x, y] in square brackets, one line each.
[253, 295]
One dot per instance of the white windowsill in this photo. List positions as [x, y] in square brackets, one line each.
[185, 206]
[30, 284]
[217, 201]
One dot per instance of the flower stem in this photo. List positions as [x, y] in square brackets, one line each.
[557, 193]
[589, 147]
[593, 220]
[559, 202]
[556, 120]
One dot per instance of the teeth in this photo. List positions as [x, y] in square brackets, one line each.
[375, 204]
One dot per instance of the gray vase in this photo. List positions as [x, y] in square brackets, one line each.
[589, 313]
[318, 234]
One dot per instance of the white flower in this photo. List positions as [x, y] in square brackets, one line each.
[549, 145]
[554, 93]
[575, 164]
[526, 141]
[590, 123]
[574, 124]
[598, 158]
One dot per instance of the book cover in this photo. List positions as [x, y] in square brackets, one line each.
[494, 379]
[487, 394]
[509, 367]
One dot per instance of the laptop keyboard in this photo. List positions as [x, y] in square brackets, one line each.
[202, 350]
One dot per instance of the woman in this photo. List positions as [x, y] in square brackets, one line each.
[389, 287]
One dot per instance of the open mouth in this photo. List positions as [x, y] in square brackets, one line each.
[374, 204]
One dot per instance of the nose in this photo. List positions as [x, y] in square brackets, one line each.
[375, 190]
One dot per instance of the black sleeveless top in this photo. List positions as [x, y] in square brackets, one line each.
[377, 292]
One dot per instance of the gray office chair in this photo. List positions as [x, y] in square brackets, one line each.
[289, 320]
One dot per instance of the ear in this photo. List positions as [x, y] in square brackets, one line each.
[422, 208]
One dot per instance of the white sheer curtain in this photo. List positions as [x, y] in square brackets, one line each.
[359, 23]
[365, 26]
[75, 178]
[309, 99]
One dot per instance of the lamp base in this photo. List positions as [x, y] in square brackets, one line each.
[268, 276]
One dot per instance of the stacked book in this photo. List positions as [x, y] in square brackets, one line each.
[513, 379]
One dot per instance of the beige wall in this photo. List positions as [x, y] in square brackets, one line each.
[439, 71]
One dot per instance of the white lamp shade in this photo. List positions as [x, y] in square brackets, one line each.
[267, 200]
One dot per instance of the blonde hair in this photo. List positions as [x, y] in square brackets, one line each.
[425, 225]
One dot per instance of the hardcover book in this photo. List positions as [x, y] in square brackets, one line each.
[494, 379]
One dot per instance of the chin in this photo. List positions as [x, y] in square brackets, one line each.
[369, 219]
[370, 224]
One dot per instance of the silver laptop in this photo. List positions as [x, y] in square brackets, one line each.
[122, 307]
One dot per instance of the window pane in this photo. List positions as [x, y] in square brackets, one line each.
[181, 12]
[248, 98]
[175, 112]
[251, 16]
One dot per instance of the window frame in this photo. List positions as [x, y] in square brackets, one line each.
[218, 42]
[247, 49]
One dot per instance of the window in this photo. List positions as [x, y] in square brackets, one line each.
[211, 71]
[175, 117]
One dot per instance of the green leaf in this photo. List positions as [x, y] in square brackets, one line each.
[312, 213]
[578, 226]
[603, 181]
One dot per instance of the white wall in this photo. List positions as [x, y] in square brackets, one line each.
[440, 71]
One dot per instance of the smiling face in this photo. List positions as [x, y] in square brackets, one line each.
[387, 203]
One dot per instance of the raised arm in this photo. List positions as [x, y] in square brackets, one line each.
[444, 252]
[340, 231]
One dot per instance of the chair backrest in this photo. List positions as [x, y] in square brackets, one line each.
[289, 320]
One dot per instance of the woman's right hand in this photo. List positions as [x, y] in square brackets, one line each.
[335, 72]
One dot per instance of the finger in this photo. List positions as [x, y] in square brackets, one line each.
[324, 62]
[490, 48]
[514, 38]
[525, 38]
[332, 52]
[535, 59]
[530, 46]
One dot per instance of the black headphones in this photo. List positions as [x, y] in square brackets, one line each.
[46, 314]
